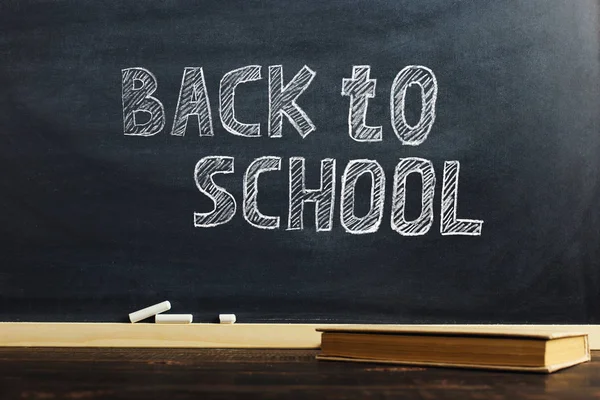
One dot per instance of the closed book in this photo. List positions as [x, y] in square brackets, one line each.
[532, 351]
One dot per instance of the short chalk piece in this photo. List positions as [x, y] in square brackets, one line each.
[173, 318]
[149, 311]
[227, 318]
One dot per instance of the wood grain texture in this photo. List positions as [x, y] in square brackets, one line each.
[300, 336]
[83, 373]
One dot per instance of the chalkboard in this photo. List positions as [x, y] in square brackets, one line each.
[389, 161]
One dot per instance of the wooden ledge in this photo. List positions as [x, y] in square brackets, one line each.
[275, 336]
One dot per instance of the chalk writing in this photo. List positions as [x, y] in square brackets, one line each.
[139, 86]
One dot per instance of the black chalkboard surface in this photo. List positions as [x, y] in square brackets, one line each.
[301, 161]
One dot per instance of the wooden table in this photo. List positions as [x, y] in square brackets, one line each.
[170, 374]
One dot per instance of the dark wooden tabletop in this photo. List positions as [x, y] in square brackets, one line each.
[170, 374]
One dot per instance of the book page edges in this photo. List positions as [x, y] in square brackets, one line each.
[542, 370]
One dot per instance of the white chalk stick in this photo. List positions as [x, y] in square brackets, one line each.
[227, 318]
[149, 311]
[173, 318]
